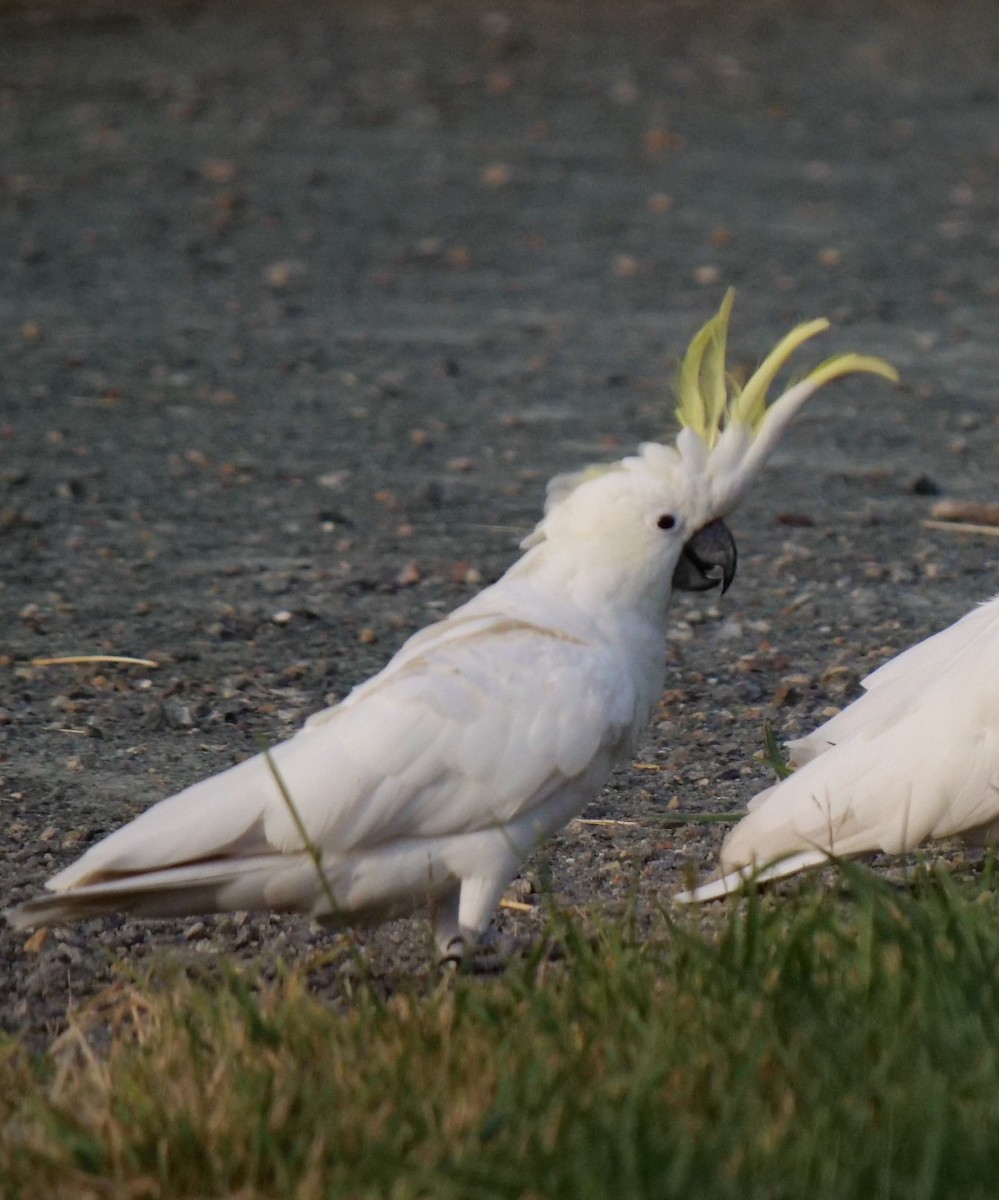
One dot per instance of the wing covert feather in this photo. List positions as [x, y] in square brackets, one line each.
[899, 686]
[473, 735]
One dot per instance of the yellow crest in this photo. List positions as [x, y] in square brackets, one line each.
[709, 399]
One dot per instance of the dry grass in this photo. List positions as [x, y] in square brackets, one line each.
[823, 1045]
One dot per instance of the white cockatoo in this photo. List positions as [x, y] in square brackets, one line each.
[432, 781]
[915, 758]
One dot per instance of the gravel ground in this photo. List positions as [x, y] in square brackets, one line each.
[301, 306]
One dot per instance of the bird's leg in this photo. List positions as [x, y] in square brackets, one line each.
[477, 902]
[447, 932]
[461, 919]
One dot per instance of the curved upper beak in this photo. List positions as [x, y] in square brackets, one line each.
[708, 558]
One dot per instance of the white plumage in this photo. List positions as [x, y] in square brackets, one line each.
[488, 730]
[914, 759]
[433, 780]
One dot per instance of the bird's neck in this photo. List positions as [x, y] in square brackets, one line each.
[619, 604]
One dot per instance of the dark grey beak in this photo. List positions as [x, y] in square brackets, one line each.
[708, 558]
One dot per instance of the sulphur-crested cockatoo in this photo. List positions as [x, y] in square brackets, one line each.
[915, 758]
[487, 731]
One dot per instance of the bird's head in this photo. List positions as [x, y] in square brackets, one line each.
[662, 508]
[644, 521]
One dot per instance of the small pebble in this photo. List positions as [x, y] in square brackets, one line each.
[409, 574]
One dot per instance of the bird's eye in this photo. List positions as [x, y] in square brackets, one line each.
[666, 521]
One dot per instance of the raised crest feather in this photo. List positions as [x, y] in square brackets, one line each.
[710, 400]
[727, 432]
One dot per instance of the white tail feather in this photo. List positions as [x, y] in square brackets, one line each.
[283, 882]
[734, 881]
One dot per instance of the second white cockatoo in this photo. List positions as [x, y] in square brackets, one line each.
[914, 759]
[431, 782]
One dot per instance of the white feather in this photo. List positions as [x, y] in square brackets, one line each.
[916, 758]
[482, 735]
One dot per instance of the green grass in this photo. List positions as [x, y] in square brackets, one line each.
[821, 1045]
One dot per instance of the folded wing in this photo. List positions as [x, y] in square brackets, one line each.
[914, 759]
[469, 735]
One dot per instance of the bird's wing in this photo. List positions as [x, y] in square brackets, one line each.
[915, 758]
[469, 734]
[898, 686]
